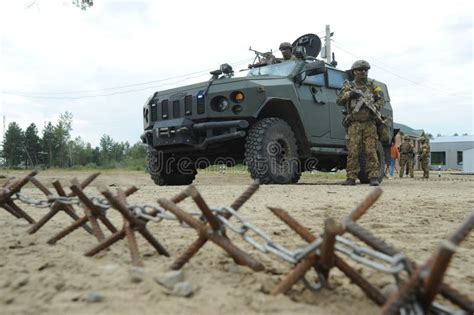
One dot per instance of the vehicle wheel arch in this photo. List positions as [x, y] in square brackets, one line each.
[286, 110]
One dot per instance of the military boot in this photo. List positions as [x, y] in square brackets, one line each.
[374, 181]
[349, 182]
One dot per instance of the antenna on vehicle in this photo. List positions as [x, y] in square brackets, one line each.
[333, 62]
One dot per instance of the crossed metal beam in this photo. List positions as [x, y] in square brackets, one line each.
[422, 286]
[92, 213]
[58, 206]
[10, 188]
[131, 224]
[212, 231]
[446, 291]
[328, 258]
[426, 281]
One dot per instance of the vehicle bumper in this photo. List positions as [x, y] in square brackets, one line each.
[185, 132]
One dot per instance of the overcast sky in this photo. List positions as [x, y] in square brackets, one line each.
[96, 63]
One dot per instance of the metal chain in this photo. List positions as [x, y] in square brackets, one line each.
[396, 263]
[314, 285]
[159, 214]
[143, 213]
[66, 200]
[48, 202]
[268, 245]
[366, 256]
[259, 240]
[390, 264]
[103, 204]
[31, 201]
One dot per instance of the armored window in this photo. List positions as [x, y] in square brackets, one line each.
[335, 79]
[315, 79]
[438, 158]
[278, 69]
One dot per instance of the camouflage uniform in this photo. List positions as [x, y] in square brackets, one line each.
[407, 152]
[361, 126]
[424, 156]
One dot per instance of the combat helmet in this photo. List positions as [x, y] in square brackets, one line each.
[422, 139]
[405, 137]
[360, 64]
[285, 45]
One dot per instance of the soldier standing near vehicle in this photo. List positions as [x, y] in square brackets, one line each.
[407, 153]
[363, 100]
[286, 51]
[423, 156]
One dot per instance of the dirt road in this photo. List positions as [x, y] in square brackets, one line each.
[36, 278]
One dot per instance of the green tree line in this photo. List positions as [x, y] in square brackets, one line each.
[56, 148]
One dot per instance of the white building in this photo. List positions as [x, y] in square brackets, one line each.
[468, 161]
[450, 153]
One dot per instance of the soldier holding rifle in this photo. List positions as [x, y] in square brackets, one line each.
[424, 157]
[363, 100]
[407, 155]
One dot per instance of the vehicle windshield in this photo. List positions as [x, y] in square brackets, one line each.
[278, 69]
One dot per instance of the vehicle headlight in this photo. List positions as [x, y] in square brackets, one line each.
[237, 96]
[220, 103]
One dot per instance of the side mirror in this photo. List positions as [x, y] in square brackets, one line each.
[215, 74]
[315, 68]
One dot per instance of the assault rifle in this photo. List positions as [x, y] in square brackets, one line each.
[262, 58]
[367, 99]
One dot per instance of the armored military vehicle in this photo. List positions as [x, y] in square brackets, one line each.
[280, 119]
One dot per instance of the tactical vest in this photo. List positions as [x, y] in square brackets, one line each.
[424, 151]
[364, 114]
[406, 149]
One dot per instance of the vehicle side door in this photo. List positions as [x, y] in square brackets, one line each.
[314, 104]
[334, 81]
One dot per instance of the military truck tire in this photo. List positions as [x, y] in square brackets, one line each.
[271, 152]
[364, 179]
[163, 177]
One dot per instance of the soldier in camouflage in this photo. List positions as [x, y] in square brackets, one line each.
[268, 58]
[407, 153]
[424, 156]
[286, 51]
[363, 100]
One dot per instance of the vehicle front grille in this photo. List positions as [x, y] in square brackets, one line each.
[185, 106]
[164, 109]
[201, 105]
[176, 111]
[154, 112]
[188, 105]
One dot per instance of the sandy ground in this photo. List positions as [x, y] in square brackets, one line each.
[36, 278]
